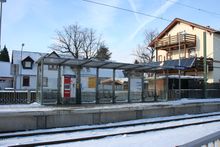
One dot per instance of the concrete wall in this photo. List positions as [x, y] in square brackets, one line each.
[63, 118]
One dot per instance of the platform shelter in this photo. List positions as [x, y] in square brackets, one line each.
[136, 85]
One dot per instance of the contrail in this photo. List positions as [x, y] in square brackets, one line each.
[157, 13]
[133, 6]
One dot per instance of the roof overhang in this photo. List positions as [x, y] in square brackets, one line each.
[92, 63]
[176, 21]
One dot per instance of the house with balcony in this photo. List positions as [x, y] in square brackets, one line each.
[182, 46]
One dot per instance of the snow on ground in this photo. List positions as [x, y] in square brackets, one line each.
[166, 138]
[38, 107]
[159, 138]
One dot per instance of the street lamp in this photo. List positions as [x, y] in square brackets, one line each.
[1, 1]
[179, 64]
[22, 46]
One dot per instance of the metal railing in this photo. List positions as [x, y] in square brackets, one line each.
[17, 97]
[173, 40]
[193, 93]
[212, 140]
[105, 96]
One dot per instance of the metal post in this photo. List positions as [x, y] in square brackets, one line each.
[179, 71]
[129, 87]
[97, 86]
[166, 86]
[37, 83]
[113, 87]
[41, 82]
[78, 86]
[142, 87]
[1, 1]
[59, 85]
[155, 86]
[22, 46]
[205, 64]
[28, 96]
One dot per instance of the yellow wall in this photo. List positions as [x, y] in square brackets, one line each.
[213, 45]
[199, 35]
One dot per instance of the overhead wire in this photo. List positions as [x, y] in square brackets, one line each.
[191, 7]
[128, 10]
[149, 15]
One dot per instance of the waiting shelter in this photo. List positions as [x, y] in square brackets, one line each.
[135, 87]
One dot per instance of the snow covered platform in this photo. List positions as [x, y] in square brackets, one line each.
[35, 116]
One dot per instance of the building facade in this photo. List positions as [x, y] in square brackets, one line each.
[6, 79]
[183, 39]
[24, 72]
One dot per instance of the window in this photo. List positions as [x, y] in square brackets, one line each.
[45, 82]
[27, 64]
[52, 67]
[26, 81]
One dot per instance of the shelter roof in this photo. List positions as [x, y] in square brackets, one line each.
[93, 63]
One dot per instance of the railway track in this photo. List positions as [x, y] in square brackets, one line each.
[11, 135]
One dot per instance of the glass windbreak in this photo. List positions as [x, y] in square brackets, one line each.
[88, 85]
[135, 89]
[107, 85]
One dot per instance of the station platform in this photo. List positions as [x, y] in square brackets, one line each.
[35, 116]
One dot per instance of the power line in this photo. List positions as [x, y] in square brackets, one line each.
[191, 7]
[128, 10]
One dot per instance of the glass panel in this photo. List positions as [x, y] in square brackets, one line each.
[28, 64]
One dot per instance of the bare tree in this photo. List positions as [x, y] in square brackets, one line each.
[144, 53]
[91, 43]
[77, 41]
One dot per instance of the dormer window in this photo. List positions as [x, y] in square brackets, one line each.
[27, 63]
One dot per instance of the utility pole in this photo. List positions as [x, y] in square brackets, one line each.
[204, 64]
[1, 1]
[22, 46]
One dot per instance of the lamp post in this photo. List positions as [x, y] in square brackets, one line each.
[179, 64]
[22, 46]
[1, 1]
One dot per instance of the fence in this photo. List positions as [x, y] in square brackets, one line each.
[17, 97]
[50, 97]
[194, 93]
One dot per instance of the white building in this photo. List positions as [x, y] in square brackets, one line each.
[6, 78]
[23, 63]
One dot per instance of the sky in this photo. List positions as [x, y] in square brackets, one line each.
[34, 22]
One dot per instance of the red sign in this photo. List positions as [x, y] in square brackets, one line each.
[67, 80]
[66, 93]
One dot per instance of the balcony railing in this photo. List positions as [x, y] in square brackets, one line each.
[173, 41]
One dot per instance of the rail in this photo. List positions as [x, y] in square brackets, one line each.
[174, 40]
[100, 136]
[209, 140]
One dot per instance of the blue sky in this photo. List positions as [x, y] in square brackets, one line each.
[34, 22]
